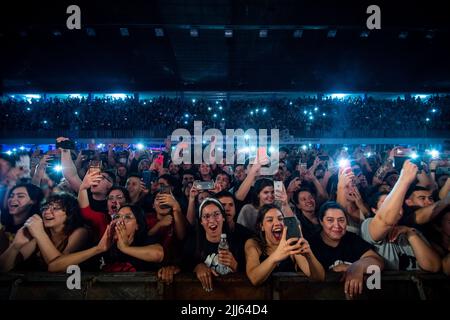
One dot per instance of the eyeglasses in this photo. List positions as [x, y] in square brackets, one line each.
[107, 178]
[214, 215]
[127, 217]
[51, 207]
[118, 198]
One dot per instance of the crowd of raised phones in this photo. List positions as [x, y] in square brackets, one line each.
[166, 114]
[139, 211]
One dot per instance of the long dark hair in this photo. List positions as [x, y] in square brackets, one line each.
[35, 193]
[140, 236]
[200, 246]
[260, 184]
[261, 239]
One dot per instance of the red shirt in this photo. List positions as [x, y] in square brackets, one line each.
[99, 221]
[165, 233]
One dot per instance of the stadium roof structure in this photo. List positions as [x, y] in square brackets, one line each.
[227, 45]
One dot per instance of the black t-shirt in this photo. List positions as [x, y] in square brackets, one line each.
[97, 205]
[239, 236]
[309, 229]
[210, 249]
[409, 218]
[350, 249]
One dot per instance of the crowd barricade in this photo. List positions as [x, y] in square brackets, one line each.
[280, 286]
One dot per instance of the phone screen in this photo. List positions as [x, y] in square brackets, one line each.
[203, 185]
[293, 227]
[278, 186]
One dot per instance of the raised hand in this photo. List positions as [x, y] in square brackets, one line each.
[91, 179]
[286, 248]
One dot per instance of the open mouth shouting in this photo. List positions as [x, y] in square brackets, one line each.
[213, 227]
[114, 208]
[13, 207]
[277, 232]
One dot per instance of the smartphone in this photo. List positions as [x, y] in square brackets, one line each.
[149, 177]
[303, 165]
[203, 185]
[165, 189]
[278, 189]
[324, 158]
[278, 186]
[95, 166]
[293, 227]
[66, 144]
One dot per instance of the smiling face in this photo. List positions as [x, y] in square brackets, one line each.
[19, 201]
[133, 186]
[266, 196]
[212, 222]
[306, 201]
[334, 224]
[115, 199]
[272, 226]
[205, 169]
[54, 215]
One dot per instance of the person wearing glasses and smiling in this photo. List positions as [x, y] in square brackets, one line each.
[58, 230]
[115, 197]
[124, 246]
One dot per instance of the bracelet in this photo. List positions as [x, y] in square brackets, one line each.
[433, 170]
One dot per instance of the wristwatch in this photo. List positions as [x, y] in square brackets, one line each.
[433, 170]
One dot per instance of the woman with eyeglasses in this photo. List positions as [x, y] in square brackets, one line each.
[115, 197]
[43, 238]
[124, 246]
[201, 252]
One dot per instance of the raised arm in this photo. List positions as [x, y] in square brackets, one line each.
[445, 190]
[426, 214]
[190, 215]
[69, 170]
[390, 211]
[180, 222]
[245, 186]
[90, 179]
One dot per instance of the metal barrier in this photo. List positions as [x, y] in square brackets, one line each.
[281, 286]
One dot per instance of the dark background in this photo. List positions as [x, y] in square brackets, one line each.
[32, 58]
